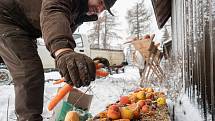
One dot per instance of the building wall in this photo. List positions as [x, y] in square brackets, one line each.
[114, 56]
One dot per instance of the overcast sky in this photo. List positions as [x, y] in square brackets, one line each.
[121, 6]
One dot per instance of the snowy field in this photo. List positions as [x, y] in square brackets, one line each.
[104, 91]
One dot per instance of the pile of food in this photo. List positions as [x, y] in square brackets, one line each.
[144, 104]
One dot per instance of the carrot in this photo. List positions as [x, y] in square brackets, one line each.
[61, 93]
[101, 73]
[59, 81]
[99, 65]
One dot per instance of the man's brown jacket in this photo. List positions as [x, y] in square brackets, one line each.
[56, 19]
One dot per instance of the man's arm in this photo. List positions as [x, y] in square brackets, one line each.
[77, 69]
[55, 25]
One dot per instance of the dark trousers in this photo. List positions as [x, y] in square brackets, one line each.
[19, 51]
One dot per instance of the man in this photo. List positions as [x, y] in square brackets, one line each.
[21, 22]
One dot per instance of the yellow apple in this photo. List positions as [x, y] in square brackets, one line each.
[141, 95]
[133, 97]
[126, 113]
[161, 101]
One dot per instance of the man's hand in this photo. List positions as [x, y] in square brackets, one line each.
[77, 69]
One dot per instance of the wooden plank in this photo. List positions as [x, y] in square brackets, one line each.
[162, 9]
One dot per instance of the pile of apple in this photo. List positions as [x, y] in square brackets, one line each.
[140, 104]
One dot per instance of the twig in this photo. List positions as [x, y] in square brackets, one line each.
[8, 104]
[47, 97]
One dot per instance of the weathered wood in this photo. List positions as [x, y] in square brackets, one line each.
[193, 33]
[162, 10]
[152, 57]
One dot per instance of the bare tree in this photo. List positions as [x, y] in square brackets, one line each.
[138, 19]
[104, 30]
[94, 36]
[110, 31]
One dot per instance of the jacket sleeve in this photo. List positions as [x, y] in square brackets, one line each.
[55, 24]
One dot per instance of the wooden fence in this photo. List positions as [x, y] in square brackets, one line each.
[193, 27]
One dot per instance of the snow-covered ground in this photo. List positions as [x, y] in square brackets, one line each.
[104, 90]
[186, 111]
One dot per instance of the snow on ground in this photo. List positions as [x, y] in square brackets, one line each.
[108, 90]
[6, 102]
[105, 91]
[186, 110]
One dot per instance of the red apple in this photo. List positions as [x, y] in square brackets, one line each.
[141, 103]
[113, 112]
[124, 100]
[145, 109]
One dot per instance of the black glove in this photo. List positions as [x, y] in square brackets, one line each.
[77, 69]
